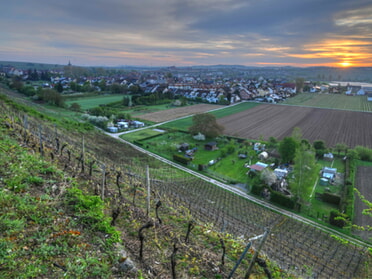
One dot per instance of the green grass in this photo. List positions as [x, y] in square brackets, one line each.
[234, 109]
[141, 134]
[139, 110]
[185, 123]
[333, 101]
[229, 168]
[95, 101]
[37, 232]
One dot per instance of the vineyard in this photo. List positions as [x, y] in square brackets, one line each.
[118, 173]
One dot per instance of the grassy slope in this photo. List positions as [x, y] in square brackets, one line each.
[52, 226]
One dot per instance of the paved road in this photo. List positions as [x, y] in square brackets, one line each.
[236, 190]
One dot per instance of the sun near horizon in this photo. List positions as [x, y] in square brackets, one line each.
[345, 64]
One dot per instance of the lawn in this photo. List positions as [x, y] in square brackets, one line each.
[318, 207]
[141, 134]
[230, 168]
[95, 101]
[140, 110]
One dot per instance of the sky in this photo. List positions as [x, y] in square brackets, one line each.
[301, 33]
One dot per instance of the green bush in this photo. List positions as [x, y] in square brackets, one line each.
[181, 159]
[337, 219]
[283, 200]
[257, 189]
[90, 211]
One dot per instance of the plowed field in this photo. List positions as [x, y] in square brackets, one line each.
[364, 185]
[332, 126]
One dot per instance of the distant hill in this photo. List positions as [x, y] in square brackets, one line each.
[352, 74]
[30, 65]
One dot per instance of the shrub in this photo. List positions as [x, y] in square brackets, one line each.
[257, 189]
[283, 200]
[337, 219]
[181, 159]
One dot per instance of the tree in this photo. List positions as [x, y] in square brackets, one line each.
[305, 172]
[320, 148]
[299, 85]
[59, 87]
[273, 142]
[341, 147]
[75, 107]
[206, 124]
[287, 149]
[268, 177]
[51, 97]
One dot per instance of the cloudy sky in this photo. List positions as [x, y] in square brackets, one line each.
[187, 32]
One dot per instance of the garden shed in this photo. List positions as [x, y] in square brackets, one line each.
[329, 173]
[210, 145]
[328, 156]
[184, 146]
[259, 166]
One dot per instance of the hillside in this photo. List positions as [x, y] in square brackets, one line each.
[218, 220]
[59, 219]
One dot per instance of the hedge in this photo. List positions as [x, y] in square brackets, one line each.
[283, 200]
[181, 159]
[331, 198]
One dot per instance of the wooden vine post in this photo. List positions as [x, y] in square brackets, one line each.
[148, 190]
[103, 181]
[253, 261]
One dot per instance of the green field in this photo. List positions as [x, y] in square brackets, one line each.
[139, 110]
[185, 123]
[95, 101]
[334, 101]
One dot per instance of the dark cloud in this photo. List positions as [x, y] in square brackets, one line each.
[208, 31]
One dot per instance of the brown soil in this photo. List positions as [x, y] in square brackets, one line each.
[332, 126]
[364, 185]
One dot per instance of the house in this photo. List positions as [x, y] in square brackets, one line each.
[329, 173]
[211, 146]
